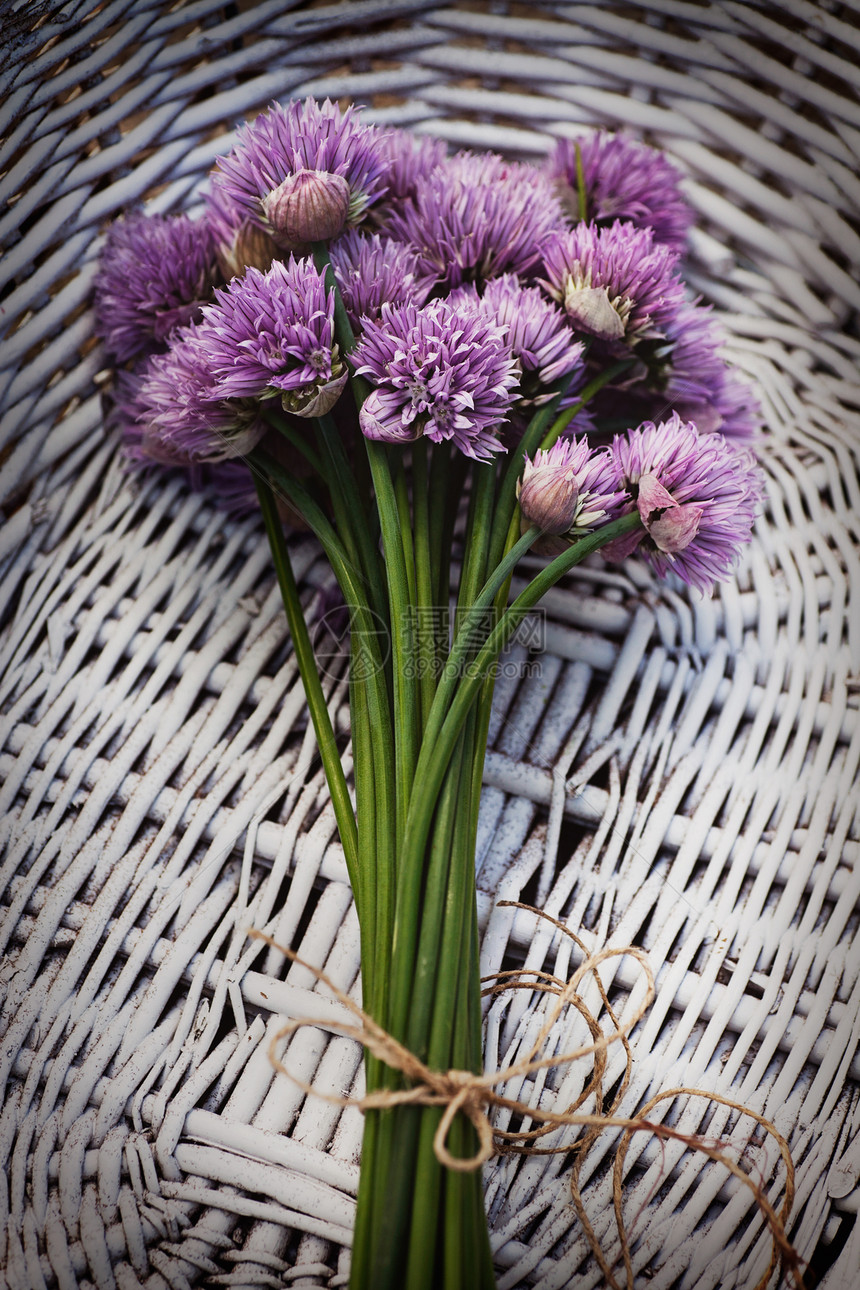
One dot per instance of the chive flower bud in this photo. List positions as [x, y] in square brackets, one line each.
[309, 206]
[548, 492]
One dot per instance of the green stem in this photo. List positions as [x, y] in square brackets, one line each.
[478, 529]
[594, 385]
[350, 513]
[436, 753]
[400, 601]
[409, 884]
[426, 607]
[368, 669]
[362, 1272]
[343, 516]
[342, 325]
[310, 677]
[472, 621]
[432, 970]
[447, 482]
[581, 197]
[401, 495]
[289, 432]
[455, 1042]
[443, 470]
[365, 808]
[349, 578]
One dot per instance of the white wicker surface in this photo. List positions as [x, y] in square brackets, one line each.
[680, 775]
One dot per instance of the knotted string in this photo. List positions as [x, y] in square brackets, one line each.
[475, 1095]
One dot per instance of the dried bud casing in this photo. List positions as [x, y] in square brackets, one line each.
[548, 495]
[670, 526]
[590, 310]
[250, 248]
[314, 400]
[676, 528]
[309, 206]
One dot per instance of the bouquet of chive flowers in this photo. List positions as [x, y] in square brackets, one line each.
[428, 360]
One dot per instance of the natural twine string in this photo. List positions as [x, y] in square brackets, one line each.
[474, 1095]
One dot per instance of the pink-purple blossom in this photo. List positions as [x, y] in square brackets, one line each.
[444, 373]
[614, 283]
[371, 270]
[697, 495]
[408, 157]
[739, 409]
[623, 180]
[537, 331]
[697, 382]
[684, 371]
[229, 482]
[176, 412]
[271, 335]
[277, 155]
[155, 273]
[474, 217]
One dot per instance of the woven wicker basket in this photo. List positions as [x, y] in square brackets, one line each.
[680, 775]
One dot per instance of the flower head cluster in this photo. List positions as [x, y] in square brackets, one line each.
[623, 180]
[537, 332]
[692, 369]
[302, 171]
[475, 217]
[684, 371]
[271, 335]
[372, 270]
[697, 496]
[696, 381]
[738, 408]
[180, 413]
[155, 273]
[408, 156]
[438, 371]
[614, 283]
[569, 489]
[227, 480]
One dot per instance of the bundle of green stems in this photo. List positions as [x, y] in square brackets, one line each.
[421, 695]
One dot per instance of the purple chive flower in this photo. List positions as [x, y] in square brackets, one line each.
[693, 373]
[537, 332]
[613, 283]
[438, 371]
[182, 416]
[475, 217]
[686, 373]
[228, 481]
[371, 270]
[623, 180]
[301, 171]
[239, 242]
[739, 410]
[271, 335]
[697, 495]
[155, 273]
[408, 157]
[570, 489]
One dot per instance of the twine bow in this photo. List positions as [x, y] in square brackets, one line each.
[475, 1096]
